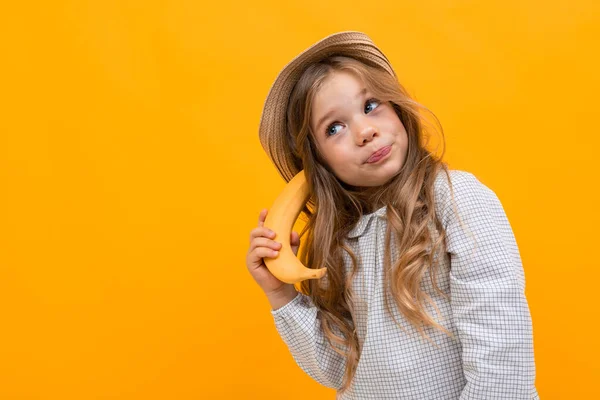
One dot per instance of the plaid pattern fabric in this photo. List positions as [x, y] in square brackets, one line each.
[488, 313]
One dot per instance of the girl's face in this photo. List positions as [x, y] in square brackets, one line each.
[350, 126]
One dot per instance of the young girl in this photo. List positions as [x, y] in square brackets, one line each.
[424, 292]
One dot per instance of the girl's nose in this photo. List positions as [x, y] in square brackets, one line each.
[365, 134]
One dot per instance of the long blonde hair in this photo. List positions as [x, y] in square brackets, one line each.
[334, 208]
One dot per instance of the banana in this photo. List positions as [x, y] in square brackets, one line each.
[281, 217]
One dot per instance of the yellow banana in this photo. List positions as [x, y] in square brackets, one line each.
[281, 217]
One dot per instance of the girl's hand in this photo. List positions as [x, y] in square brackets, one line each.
[262, 245]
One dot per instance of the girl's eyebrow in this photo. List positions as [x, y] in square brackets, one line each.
[328, 114]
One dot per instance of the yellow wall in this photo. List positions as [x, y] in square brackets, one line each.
[131, 175]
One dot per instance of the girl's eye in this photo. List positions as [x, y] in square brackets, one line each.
[328, 130]
[372, 101]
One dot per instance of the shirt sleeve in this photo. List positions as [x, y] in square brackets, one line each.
[300, 329]
[487, 285]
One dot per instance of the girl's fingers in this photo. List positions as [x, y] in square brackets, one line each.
[262, 216]
[261, 232]
[255, 257]
[264, 242]
[263, 252]
[294, 239]
[295, 242]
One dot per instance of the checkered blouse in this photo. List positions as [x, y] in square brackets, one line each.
[488, 313]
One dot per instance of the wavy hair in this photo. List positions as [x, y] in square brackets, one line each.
[335, 207]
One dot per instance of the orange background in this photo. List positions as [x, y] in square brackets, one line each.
[131, 175]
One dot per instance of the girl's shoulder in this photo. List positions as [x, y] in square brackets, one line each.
[457, 178]
[462, 183]
[464, 191]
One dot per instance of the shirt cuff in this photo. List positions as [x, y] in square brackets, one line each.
[290, 304]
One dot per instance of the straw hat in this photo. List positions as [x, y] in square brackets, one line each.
[272, 130]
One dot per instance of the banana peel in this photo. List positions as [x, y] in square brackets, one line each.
[280, 219]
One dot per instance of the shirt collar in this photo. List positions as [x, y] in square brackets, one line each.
[362, 223]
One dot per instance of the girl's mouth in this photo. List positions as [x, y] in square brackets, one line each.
[379, 154]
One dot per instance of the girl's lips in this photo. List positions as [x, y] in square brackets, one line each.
[379, 154]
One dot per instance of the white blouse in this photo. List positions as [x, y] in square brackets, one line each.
[488, 312]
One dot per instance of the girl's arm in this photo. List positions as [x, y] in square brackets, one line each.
[488, 301]
[299, 327]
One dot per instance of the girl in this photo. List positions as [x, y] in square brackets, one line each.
[424, 292]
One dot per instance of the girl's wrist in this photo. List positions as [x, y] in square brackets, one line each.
[281, 297]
